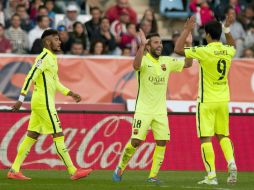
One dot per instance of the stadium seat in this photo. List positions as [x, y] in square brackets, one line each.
[178, 9]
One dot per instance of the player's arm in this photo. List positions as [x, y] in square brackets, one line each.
[226, 28]
[188, 61]
[180, 43]
[32, 75]
[139, 55]
[65, 91]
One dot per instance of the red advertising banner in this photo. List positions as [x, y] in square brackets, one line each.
[112, 79]
[96, 140]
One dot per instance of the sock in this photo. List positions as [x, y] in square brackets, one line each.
[129, 150]
[23, 151]
[228, 150]
[158, 157]
[64, 155]
[208, 157]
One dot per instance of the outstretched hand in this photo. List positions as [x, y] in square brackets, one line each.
[142, 37]
[229, 20]
[190, 23]
[189, 39]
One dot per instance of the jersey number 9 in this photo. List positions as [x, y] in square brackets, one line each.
[221, 68]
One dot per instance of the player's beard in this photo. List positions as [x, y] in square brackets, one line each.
[154, 53]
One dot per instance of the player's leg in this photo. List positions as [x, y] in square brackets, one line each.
[140, 127]
[52, 125]
[222, 134]
[161, 134]
[63, 154]
[24, 148]
[205, 116]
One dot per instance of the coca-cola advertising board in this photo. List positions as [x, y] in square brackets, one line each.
[96, 140]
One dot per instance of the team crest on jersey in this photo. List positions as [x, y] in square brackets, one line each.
[163, 67]
[135, 132]
[38, 63]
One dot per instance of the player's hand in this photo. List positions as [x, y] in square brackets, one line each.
[16, 106]
[76, 97]
[142, 36]
[190, 23]
[229, 20]
[189, 39]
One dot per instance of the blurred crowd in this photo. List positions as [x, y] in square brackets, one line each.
[242, 29]
[110, 31]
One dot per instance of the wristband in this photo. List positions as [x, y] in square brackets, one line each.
[226, 30]
[21, 98]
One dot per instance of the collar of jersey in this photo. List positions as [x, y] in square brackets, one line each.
[213, 43]
[149, 56]
[49, 52]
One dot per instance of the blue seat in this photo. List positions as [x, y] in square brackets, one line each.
[175, 8]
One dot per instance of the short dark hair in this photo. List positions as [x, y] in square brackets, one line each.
[15, 14]
[214, 28]
[49, 32]
[20, 6]
[42, 7]
[2, 26]
[228, 8]
[150, 35]
[94, 8]
[40, 18]
[76, 23]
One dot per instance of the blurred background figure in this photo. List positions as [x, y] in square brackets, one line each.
[36, 32]
[5, 44]
[93, 26]
[97, 48]
[150, 16]
[248, 53]
[113, 13]
[70, 17]
[64, 38]
[237, 32]
[77, 48]
[79, 34]
[146, 26]
[49, 4]
[105, 36]
[17, 36]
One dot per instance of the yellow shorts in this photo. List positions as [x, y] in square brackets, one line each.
[158, 123]
[212, 118]
[44, 121]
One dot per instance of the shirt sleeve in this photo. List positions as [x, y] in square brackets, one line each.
[175, 65]
[143, 63]
[61, 88]
[38, 67]
[194, 52]
[231, 51]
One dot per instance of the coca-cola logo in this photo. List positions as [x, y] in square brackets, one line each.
[98, 145]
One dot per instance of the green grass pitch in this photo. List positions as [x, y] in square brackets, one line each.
[132, 180]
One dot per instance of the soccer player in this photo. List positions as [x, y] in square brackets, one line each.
[153, 72]
[212, 115]
[44, 118]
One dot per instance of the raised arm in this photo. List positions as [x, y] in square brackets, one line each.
[138, 58]
[180, 43]
[226, 28]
